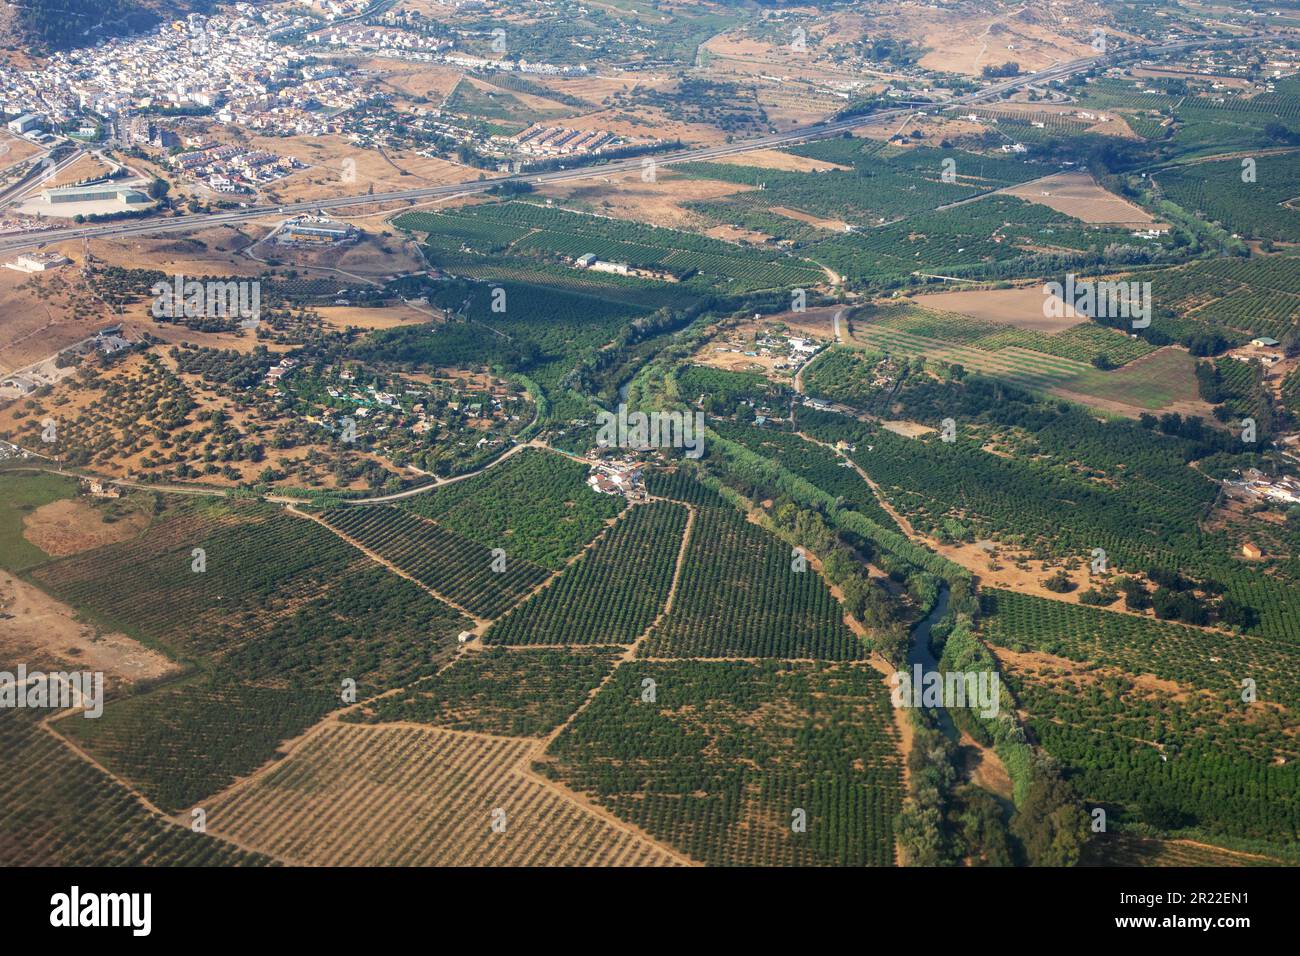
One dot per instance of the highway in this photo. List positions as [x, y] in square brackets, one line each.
[161, 225]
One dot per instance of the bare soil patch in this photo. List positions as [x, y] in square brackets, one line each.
[660, 203]
[1077, 194]
[832, 225]
[14, 149]
[389, 317]
[907, 429]
[336, 167]
[779, 159]
[1020, 307]
[72, 525]
[41, 632]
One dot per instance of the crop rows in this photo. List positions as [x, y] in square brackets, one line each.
[1191, 753]
[57, 809]
[1202, 659]
[537, 506]
[400, 796]
[183, 742]
[1081, 342]
[445, 562]
[515, 693]
[150, 587]
[723, 756]
[1257, 208]
[612, 593]
[739, 596]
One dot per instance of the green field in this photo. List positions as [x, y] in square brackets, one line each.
[726, 755]
[21, 493]
[1161, 379]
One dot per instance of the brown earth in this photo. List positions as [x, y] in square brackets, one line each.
[659, 203]
[832, 225]
[1020, 307]
[779, 159]
[39, 631]
[85, 167]
[1078, 194]
[72, 525]
[15, 149]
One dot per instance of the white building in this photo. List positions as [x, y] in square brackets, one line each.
[37, 262]
[24, 123]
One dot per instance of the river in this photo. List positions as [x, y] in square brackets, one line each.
[919, 653]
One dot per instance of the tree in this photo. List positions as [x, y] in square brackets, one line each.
[1059, 582]
[1050, 825]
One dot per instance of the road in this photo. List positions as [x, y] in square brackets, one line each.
[160, 226]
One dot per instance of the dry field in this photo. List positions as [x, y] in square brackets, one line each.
[328, 175]
[389, 317]
[593, 89]
[41, 632]
[85, 167]
[43, 313]
[779, 159]
[378, 255]
[906, 429]
[215, 251]
[71, 525]
[625, 196]
[1161, 73]
[1077, 194]
[532, 102]
[15, 149]
[408, 81]
[831, 225]
[399, 795]
[647, 122]
[1021, 307]
[967, 39]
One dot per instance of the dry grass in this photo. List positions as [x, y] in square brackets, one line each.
[71, 525]
[1021, 308]
[1077, 194]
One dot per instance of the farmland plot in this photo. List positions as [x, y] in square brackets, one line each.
[612, 593]
[402, 796]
